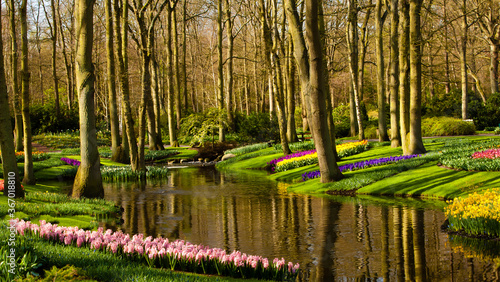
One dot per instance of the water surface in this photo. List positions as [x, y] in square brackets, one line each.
[333, 238]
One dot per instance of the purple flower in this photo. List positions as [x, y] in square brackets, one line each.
[71, 161]
[360, 165]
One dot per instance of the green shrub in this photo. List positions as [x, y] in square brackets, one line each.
[122, 173]
[44, 119]
[446, 126]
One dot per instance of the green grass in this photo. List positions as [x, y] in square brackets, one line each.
[102, 266]
[431, 180]
[184, 153]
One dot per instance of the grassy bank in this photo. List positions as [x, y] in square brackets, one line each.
[417, 177]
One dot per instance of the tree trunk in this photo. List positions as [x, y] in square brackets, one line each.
[155, 90]
[278, 92]
[88, 181]
[494, 49]
[326, 78]
[404, 74]
[113, 110]
[178, 101]
[290, 97]
[352, 112]
[379, 25]
[122, 54]
[316, 92]
[172, 128]
[18, 125]
[463, 61]
[220, 65]
[416, 145]
[9, 165]
[352, 44]
[29, 177]
[394, 75]
[54, 56]
[229, 74]
[67, 63]
[363, 49]
[184, 54]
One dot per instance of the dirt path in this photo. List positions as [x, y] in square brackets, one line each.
[41, 148]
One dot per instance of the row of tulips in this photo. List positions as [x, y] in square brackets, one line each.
[160, 252]
[478, 214]
[487, 154]
[36, 155]
[361, 165]
[300, 159]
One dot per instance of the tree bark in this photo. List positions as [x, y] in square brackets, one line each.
[88, 181]
[9, 164]
[379, 25]
[230, 72]
[416, 145]
[172, 128]
[394, 76]
[18, 125]
[278, 91]
[122, 52]
[113, 110]
[54, 56]
[29, 177]
[404, 74]
[220, 65]
[352, 45]
[290, 97]
[67, 63]
[494, 49]
[463, 60]
[177, 75]
[316, 92]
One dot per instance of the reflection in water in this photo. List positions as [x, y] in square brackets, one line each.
[341, 239]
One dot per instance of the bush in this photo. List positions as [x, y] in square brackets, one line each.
[257, 127]
[446, 126]
[44, 119]
[486, 116]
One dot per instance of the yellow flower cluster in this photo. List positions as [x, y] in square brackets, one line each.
[351, 145]
[21, 153]
[485, 206]
[340, 148]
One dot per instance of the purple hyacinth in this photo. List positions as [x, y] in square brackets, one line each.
[360, 165]
[71, 161]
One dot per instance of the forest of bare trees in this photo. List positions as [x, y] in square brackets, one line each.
[155, 62]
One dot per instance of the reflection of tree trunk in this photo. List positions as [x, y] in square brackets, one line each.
[419, 244]
[398, 243]
[385, 242]
[407, 246]
[326, 239]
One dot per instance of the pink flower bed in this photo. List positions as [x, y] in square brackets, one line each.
[487, 154]
[160, 252]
